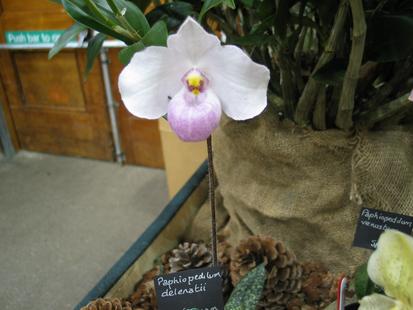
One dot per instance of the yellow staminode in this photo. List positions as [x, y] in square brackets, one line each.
[195, 81]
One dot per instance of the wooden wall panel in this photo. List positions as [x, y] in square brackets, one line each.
[42, 83]
[35, 21]
[27, 5]
[53, 109]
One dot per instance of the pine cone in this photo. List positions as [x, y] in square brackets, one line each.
[108, 304]
[250, 253]
[144, 297]
[284, 272]
[224, 253]
[319, 287]
[190, 255]
[317, 284]
[187, 255]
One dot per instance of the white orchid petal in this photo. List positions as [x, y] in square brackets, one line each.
[240, 83]
[379, 302]
[391, 267]
[149, 79]
[192, 41]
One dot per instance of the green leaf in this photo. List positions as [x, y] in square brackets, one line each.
[209, 4]
[389, 38]
[67, 36]
[142, 4]
[157, 36]
[98, 10]
[248, 3]
[93, 50]
[326, 10]
[126, 11]
[102, 4]
[136, 18]
[126, 54]
[263, 24]
[82, 15]
[230, 3]
[173, 13]
[282, 16]
[363, 285]
[251, 40]
[265, 9]
[247, 293]
[332, 72]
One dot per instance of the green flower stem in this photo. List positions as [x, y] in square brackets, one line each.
[211, 179]
[310, 93]
[344, 119]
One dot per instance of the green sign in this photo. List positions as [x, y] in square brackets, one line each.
[32, 37]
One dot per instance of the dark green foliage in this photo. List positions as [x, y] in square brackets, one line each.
[142, 4]
[313, 48]
[173, 13]
[156, 36]
[390, 38]
[247, 293]
[332, 73]
[363, 285]
[209, 4]
[120, 19]
[132, 15]
[106, 23]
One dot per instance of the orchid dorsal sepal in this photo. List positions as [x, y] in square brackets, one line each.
[194, 79]
[391, 267]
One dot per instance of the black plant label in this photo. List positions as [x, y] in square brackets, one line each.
[199, 289]
[372, 223]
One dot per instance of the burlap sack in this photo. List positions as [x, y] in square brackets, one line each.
[297, 185]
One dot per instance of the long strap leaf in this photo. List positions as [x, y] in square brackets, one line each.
[68, 35]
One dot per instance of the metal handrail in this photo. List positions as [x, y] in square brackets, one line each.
[110, 102]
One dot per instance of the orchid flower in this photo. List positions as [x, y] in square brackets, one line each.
[192, 80]
[391, 267]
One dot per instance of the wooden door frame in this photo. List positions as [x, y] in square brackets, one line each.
[8, 118]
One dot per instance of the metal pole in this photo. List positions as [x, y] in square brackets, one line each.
[5, 139]
[112, 107]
